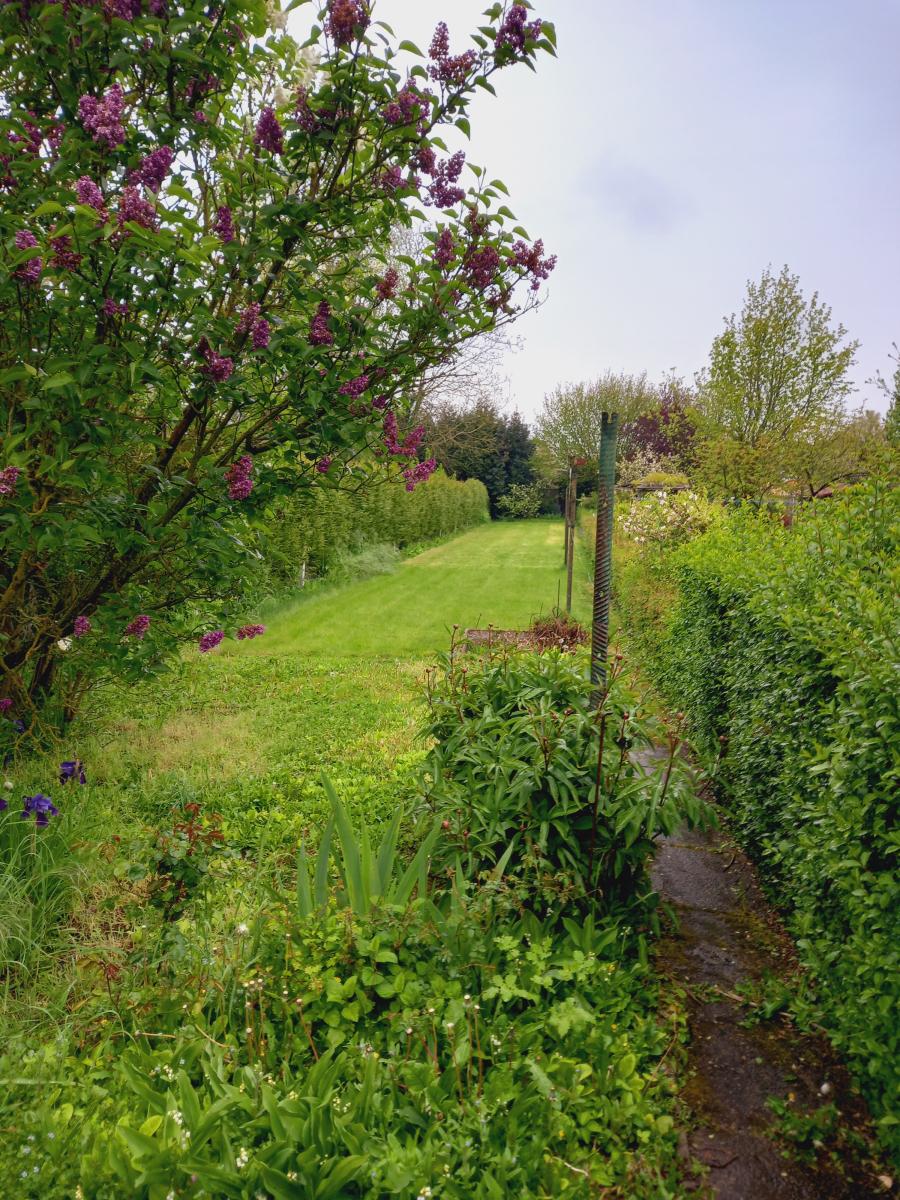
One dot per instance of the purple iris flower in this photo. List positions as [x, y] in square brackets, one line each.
[73, 769]
[42, 807]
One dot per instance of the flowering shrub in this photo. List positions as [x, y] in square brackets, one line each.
[185, 299]
[667, 518]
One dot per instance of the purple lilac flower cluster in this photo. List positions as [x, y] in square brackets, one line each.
[256, 326]
[392, 179]
[386, 287]
[153, 168]
[72, 769]
[80, 627]
[5, 704]
[324, 464]
[269, 135]
[319, 333]
[133, 207]
[30, 271]
[447, 68]
[441, 190]
[217, 367]
[40, 807]
[210, 640]
[87, 192]
[532, 259]
[137, 627]
[64, 257]
[419, 473]
[115, 308]
[347, 20]
[8, 478]
[103, 118]
[516, 31]
[306, 118]
[410, 444]
[223, 225]
[444, 249]
[240, 485]
[249, 632]
[481, 266]
[354, 387]
[410, 106]
[125, 10]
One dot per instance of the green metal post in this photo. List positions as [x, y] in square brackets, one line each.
[603, 553]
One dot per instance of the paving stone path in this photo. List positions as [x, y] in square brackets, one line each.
[725, 934]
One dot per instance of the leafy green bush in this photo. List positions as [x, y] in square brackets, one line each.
[515, 778]
[783, 644]
[662, 479]
[522, 500]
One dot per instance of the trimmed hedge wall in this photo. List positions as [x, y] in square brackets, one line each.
[316, 527]
[785, 644]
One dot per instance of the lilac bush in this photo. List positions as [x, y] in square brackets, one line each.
[198, 280]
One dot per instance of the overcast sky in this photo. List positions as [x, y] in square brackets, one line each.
[677, 147]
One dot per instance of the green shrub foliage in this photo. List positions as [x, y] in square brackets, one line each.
[783, 648]
[317, 528]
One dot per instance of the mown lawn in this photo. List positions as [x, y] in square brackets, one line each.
[503, 574]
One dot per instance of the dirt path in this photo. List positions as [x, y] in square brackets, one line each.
[727, 935]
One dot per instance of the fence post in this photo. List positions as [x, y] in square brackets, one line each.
[606, 485]
[570, 532]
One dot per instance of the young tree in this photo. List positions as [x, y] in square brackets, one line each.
[891, 389]
[197, 305]
[777, 367]
[568, 424]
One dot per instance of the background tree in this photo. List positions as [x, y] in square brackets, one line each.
[891, 389]
[479, 441]
[568, 424]
[198, 310]
[777, 367]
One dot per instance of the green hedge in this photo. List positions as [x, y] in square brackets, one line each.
[317, 527]
[784, 643]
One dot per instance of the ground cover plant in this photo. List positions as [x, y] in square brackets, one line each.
[781, 645]
[249, 988]
[203, 309]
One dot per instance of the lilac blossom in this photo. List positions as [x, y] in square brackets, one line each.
[319, 333]
[411, 443]
[87, 192]
[64, 257]
[419, 473]
[103, 118]
[133, 207]
[223, 226]
[269, 134]
[218, 367]
[532, 259]
[306, 118]
[153, 168]
[323, 464]
[5, 704]
[354, 387]
[30, 271]
[514, 33]
[441, 190]
[347, 20]
[409, 106]
[249, 632]
[115, 308]
[380, 402]
[391, 179]
[137, 627]
[240, 485]
[210, 640]
[80, 627]
[481, 266]
[8, 478]
[386, 287]
[256, 326]
[444, 249]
